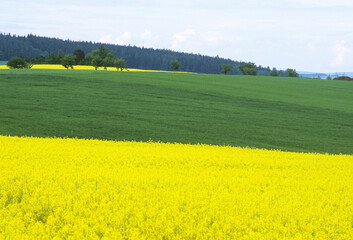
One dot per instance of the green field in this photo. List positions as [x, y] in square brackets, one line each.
[3, 62]
[294, 114]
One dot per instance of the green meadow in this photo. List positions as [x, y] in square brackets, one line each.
[293, 114]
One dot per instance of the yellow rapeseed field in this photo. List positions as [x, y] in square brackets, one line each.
[91, 189]
[82, 67]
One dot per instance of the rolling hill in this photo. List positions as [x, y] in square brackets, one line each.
[303, 115]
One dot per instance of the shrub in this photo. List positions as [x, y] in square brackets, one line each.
[18, 63]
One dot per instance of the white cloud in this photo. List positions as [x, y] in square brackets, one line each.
[147, 34]
[289, 33]
[181, 37]
[340, 52]
[148, 39]
[106, 39]
[121, 40]
[140, 39]
[124, 38]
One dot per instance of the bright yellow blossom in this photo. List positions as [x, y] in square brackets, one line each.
[92, 189]
[82, 67]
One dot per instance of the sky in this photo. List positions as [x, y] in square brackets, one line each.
[307, 35]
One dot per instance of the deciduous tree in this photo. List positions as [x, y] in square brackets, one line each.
[97, 61]
[108, 60]
[120, 64]
[226, 68]
[175, 64]
[68, 61]
[80, 55]
[292, 72]
[247, 69]
[102, 57]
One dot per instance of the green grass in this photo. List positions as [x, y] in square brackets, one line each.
[308, 115]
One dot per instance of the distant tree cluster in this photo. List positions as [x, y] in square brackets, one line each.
[52, 50]
[40, 50]
[274, 73]
[248, 69]
[100, 57]
[292, 72]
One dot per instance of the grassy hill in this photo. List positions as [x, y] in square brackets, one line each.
[307, 115]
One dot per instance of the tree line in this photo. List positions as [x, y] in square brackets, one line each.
[100, 57]
[250, 69]
[52, 50]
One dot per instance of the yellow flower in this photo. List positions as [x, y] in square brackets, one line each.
[53, 188]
